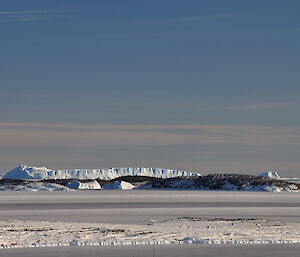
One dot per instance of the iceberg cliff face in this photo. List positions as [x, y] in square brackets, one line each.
[26, 172]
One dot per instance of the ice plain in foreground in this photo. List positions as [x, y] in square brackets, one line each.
[145, 217]
[183, 230]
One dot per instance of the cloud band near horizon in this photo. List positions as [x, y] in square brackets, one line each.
[200, 146]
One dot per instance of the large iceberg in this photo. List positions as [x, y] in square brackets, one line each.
[40, 173]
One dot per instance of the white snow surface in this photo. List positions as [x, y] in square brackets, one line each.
[37, 219]
[119, 185]
[183, 230]
[90, 185]
[39, 173]
[34, 186]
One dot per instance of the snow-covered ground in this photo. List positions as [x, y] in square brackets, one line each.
[70, 186]
[112, 217]
[33, 186]
[183, 230]
[43, 173]
[229, 182]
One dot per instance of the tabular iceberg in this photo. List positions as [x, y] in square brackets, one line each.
[40, 173]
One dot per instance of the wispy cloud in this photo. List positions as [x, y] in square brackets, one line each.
[208, 147]
[22, 16]
[182, 20]
[258, 106]
[49, 134]
[22, 12]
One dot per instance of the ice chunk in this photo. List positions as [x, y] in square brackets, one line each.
[270, 174]
[119, 185]
[74, 184]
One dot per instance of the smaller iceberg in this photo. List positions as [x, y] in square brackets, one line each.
[119, 185]
[91, 185]
[270, 174]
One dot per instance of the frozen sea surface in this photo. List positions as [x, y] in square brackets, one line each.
[138, 207]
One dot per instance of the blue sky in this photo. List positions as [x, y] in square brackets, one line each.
[196, 85]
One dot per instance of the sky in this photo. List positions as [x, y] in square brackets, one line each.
[200, 85]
